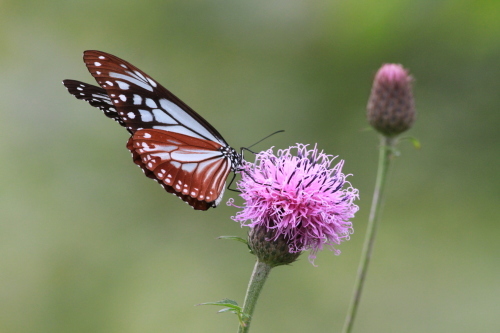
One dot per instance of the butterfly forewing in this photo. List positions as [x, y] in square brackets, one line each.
[142, 102]
[95, 96]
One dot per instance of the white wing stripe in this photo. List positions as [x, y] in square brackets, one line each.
[162, 117]
[189, 167]
[184, 118]
[153, 83]
[219, 199]
[131, 80]
[193, 156]
[137, 73]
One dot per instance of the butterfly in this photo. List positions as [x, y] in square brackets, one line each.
[169, 141]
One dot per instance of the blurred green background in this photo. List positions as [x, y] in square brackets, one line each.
[88, 244]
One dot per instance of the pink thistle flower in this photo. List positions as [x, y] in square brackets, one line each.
[299, 197]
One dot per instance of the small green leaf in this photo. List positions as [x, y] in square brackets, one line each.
[235, 238]
[415, 142]
[232, 307]
[225, 302]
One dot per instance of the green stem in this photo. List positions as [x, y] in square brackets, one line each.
[385, 154]
[257, 280]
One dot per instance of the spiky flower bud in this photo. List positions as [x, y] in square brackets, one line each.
[270, 250]
[391, 108]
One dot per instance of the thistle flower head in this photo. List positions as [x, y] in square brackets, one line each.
[296, 197]
[391, 108]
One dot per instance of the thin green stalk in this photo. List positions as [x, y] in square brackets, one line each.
[257, 280]
[385, 152]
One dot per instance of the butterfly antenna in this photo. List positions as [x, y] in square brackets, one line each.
[243, 170]
[264, 139]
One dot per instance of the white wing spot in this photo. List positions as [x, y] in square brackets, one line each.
[110, 83]
[185, 190]
[150, 165]
[137, 100]
[131, 115]
[147, 136]
[98, 73]
[78, 88]
[177, 187]
[97, 63]
[116, 101]
[102, 57]
[193, 194]
[151, 103]
[123, 97]
[123, 65]
[112, 95]
[146, 115]
[123, 85]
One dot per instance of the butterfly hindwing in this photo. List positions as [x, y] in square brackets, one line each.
[182, 164]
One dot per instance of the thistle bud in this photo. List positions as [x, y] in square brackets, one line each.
[391, 108]
[270, 250]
